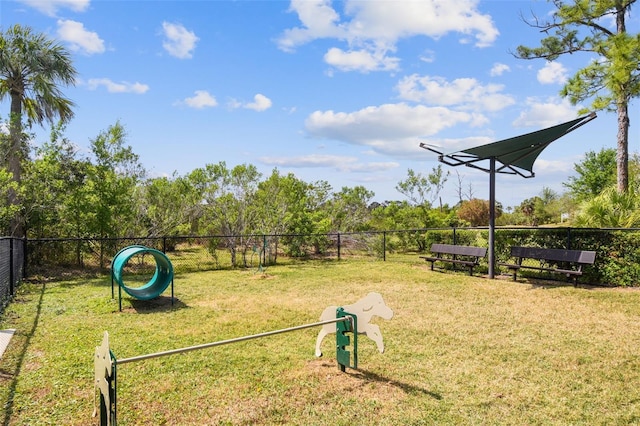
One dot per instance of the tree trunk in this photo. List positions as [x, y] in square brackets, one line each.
[622, 157]
[14, 161]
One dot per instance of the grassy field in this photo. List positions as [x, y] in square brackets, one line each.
[459, 350]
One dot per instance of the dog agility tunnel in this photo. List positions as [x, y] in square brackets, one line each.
[161, 279]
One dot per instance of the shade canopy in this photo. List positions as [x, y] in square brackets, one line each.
[509, 156]
[516, 155]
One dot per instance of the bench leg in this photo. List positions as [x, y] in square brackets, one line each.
[515, 272]
[432, 262]
[470, 270]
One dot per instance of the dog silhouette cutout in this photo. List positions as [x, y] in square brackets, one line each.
[365, 309]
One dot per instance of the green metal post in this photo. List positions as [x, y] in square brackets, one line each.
[343, 356]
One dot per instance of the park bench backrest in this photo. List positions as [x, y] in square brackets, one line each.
[556, 255]
[459, 250]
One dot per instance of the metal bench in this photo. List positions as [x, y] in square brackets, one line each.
[557, 261]
[468, 256]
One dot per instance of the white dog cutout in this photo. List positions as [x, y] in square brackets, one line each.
[366, 308]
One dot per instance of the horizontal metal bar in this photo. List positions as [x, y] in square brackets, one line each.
[235, 340]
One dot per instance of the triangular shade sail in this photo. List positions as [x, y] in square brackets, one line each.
[516, 154]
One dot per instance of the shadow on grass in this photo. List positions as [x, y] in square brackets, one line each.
[159, 304]
[8, 411]
[373, 377]
[550, 282]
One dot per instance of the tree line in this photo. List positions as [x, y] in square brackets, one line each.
[108, 194]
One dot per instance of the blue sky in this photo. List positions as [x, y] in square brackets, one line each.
[337, 91]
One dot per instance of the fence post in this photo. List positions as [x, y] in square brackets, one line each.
[338, 246]
[384, 246]
[24, 258]
[568, 238]
[11, 261]
[264, 249]
[454, 236]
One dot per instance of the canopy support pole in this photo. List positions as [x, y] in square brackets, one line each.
[492, 215]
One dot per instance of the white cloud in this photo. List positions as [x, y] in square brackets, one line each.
[376, 27]
[202, 99]
[319, 20]
[545, 113]
[260, 103]
[337, 162]
[391, 129]
[380, 166]
[552, 73]
[360, 60]
[428, 56]
[553, 166]
[391, 21]
[179, 41]
[112, 87]
[312, 160]
[466, 93]
[50, 7]
[499, 69]
[79, 38]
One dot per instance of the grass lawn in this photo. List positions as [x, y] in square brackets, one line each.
[459, 350]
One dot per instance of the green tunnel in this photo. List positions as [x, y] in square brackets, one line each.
[156, 285]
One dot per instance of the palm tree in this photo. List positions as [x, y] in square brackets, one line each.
[31, 69]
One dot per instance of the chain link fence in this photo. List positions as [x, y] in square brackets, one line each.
[60, 256]
[204, 253]
[12, 258]
[617, 259]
